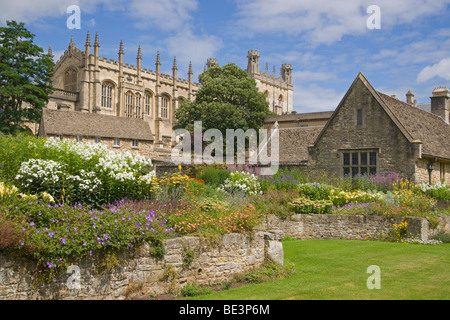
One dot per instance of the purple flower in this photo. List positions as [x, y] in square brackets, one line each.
[63, 240]
[51, 234]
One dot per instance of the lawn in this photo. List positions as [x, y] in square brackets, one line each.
[337, 270]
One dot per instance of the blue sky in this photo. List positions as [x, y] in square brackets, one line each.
[327, 42]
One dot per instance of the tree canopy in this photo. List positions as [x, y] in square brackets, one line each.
[25, 77]
[227, 99]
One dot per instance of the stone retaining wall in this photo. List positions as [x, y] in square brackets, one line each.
[303, 226]
[137, 273]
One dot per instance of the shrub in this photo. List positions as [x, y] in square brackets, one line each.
[214, 176]
[438, 191]
[241, 182]
[315, 191]
[282, 180]
[275, 202]
[307, 206]
[420, 202]
[75, 172]
[195, 290]
[392, 209]
[341, 198]
[353, 209]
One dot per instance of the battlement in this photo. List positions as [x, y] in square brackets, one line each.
[252, 53]
[441, 92]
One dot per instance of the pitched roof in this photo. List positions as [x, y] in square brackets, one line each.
[422, 125]
[54, 122]
[415, 123]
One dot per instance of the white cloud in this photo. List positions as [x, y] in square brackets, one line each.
[167, 14]
[441, 69]
[315, 98]
[324, 21]
[189, 47]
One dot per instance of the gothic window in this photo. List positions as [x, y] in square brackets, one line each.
[280, 100]
[164, 107]
[107, 95]
[70, 80]
[138, 106]
[129, 101]
[148, 103]
[359, 163]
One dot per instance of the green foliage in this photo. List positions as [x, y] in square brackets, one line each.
[307, 206]
[284, 179]
[214, 176]
[228, 99]
[25, 77]
[442, 236]
[268, 271]
[73, 172]
[195, 290]
[275, 202]
[315, 191]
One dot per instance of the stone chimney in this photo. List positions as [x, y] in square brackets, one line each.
[440, 103]
[410, 99]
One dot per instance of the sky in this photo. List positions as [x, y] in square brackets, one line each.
[399, 45]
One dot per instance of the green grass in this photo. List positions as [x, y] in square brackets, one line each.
[337, 270]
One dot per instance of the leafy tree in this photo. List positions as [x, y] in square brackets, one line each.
[25, 78]
[228, 99]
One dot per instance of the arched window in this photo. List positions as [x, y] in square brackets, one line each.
[138, 106]
[129, 99]
[70, 80]
[107, 95]
[164, 106]
[280, 100]
[148, 103]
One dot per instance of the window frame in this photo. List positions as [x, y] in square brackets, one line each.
[116, 142]
[359, 162]
[165, 102]
[107, 95]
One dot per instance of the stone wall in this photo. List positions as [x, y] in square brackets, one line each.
[377, 133]
[137, 273]
[304, 227]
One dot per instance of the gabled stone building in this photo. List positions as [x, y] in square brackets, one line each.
[370, 132]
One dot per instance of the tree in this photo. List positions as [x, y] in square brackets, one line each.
[228, 99]
[25, 77]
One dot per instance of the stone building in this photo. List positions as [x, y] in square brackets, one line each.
[371, 132]
[88, 85]
[279, 91]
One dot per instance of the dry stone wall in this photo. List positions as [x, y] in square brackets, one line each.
[137, 273]
[348, 227]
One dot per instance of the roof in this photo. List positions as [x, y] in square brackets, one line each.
[72, 123]
[291, 152]
[422, 125]
[302, 116]
[415, 123]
